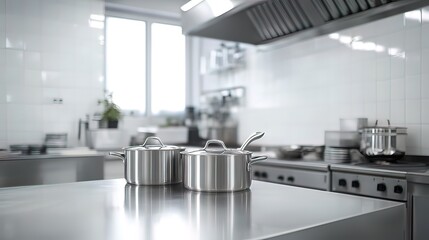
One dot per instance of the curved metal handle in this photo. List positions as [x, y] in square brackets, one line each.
[154, 138]
[118, 155]
[254, 160]
[388, 122]
[251, 138]
[219, 142]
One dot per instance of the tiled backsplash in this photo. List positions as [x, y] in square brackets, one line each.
[378, 70]
[51, 68]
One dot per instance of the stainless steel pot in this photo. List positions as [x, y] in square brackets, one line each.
[219, 169]
[383, 143]
[152, 164]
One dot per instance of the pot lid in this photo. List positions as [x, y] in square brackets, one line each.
[147, 147]
[388, 129]
[217, 151]
[384, 129]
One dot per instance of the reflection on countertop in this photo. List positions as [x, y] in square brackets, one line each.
[96, 209]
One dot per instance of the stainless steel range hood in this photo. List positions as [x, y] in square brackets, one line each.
[264, 21]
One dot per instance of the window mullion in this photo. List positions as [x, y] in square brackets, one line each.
[148, 68]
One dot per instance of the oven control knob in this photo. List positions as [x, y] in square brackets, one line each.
[355, 184]
[281, 178]
[398, 189]
[290, 179]
[381, 187]
[257, 174]
[342, 182]
[264, 175]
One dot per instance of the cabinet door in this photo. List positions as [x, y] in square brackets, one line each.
[420, 217]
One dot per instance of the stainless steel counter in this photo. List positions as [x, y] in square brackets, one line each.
[50, 169]
[111, 209]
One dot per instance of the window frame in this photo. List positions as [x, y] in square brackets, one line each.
[149, 19]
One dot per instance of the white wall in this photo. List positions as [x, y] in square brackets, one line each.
[297, 92]
[47, 51]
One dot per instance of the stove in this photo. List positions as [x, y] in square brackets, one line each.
[391, 181]
[309, 174]
[404, 181]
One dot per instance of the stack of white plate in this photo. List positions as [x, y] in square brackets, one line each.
[336, 155]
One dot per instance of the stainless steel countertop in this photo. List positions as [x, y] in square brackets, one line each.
[298, 164]
[111, 209]
[14, 157]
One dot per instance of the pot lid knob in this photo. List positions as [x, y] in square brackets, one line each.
[218, 142]
[161, 145]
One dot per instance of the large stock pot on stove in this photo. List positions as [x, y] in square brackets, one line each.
[385, 143]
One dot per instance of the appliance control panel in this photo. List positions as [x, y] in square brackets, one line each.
[373, 186]
[295, 177]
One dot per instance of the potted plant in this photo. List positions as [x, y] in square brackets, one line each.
[111, 114]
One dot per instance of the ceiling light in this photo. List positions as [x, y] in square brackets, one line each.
[187, 6]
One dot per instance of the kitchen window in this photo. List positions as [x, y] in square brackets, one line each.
[145, 66]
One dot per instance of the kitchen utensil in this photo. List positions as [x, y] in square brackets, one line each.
[289, 152]
[383, 142]
[152, 164]
[56, 140]
[342, 139]
[219, 169]
[251, 138]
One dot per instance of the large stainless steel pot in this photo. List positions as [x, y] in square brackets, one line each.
[383, 143]
[219, 169]
[152, 164]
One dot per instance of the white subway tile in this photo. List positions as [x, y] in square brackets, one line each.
[33, 78]
[383, 91]
[413, 63]
[397, 40]
[413, 38]
[2, 57]
[425, 111]
[425, 15]
[413, 18]
[14, 76]
[413, 114]
[2, 92]
[15, 41]
[425, 137]
[397, 112]
[383, 110]
[425, 35]
[32, 60]
[14, 58]
[397, 89]
[3, 117]
[24, 95]
[383, 68]
[425, 61]
[425, 86]
[397, 67]
[412, 87]
[414, 135]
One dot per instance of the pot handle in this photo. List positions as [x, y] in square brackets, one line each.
[154, 138]
[254, 160]
[118, 155]
[219, 142]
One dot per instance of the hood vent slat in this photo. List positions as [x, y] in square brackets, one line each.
[263, 21]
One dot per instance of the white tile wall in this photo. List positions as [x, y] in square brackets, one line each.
[47, 51]
[296, 92]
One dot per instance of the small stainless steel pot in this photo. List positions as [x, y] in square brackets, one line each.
[383, 143]
[219, 169]
[152, 164]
